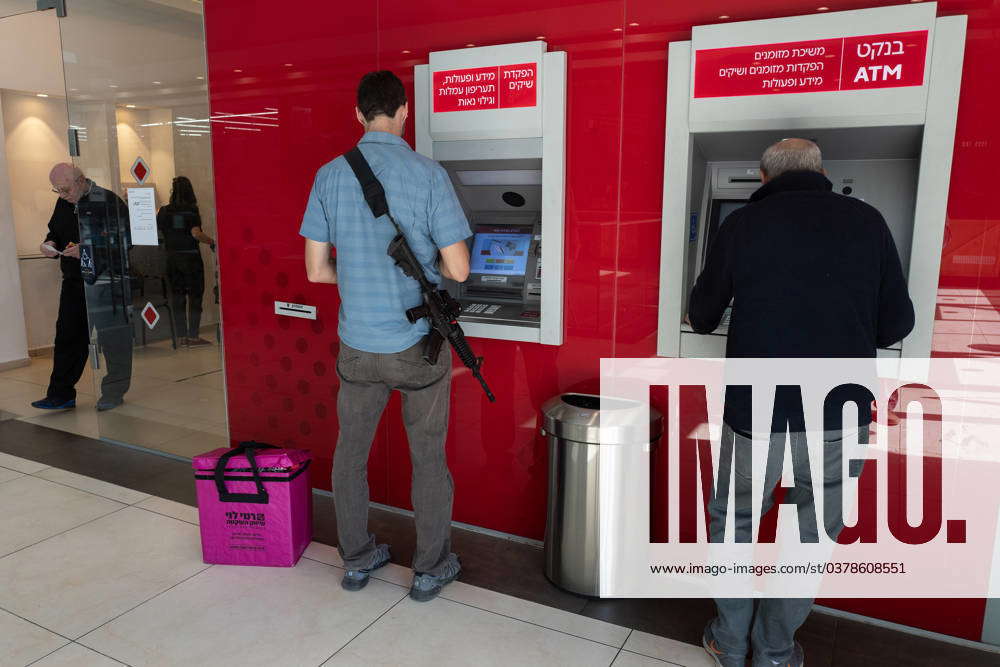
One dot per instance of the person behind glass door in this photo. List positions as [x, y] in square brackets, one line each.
[811, 274]
[89, 230]
[180, 223]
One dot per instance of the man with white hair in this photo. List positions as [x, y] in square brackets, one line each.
[89, 231]
[809, 273]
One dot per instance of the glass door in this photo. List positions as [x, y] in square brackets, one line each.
[137, 101]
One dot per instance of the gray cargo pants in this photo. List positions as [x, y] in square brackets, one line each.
[366, 381]
[770, 631]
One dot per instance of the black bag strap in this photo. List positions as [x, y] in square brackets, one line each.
[370, 186]
[247, 449]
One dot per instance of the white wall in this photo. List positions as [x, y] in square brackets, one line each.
[32, 139]
[35, 131]
[13, 339]
[35, 139]
[30, 54]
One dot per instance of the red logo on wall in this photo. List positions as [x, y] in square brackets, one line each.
[851, 63]
[150, 316]
[139, 170]
[500, 87]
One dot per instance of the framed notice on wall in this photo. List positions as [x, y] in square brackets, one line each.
[142, 215]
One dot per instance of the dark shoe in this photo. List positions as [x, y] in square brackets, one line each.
[715, 653]
[426, 587]
[108, 403]
[198, 342]
[49, 404]
[798, 659]
[355, 580]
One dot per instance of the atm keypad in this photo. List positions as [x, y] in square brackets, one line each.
[480, 309]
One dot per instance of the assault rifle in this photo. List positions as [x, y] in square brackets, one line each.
[439, 307]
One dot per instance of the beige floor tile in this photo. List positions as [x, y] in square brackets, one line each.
[392, 573]
[34, 509]
[443, 633]
[139, 382]
[555, 619]
[221, 616]
[89, 484]
[21, 642]
[628, 659]
[6, 474]
[171, 508]
[192, 445]
[39, 370]
[74, 655]
[20, 389]
[670, 650]
[206, 427]
[324, 553]
[79, 580]
[178, 366]
[82, 420]
[19, 464]
[131, 408]
[118, 426]
[214, 380]
[199, 402]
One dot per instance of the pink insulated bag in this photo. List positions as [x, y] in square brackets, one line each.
[255, 504]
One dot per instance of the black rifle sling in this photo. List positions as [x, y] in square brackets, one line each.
[370, 186]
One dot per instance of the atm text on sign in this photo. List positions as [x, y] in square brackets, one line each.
[849, 63]
[501, 87]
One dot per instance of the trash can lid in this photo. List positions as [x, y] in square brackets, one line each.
[577, 417]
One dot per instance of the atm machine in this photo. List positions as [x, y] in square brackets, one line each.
[494, 117]
[876, 89]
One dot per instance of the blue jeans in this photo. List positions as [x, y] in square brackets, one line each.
[771, 630]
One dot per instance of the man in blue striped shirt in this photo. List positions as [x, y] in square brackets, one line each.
[380, 350]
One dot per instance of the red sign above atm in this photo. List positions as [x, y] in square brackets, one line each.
[500, 87]
[850, 63]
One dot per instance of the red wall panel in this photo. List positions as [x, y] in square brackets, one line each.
[298, 68]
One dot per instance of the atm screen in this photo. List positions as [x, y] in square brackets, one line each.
[727, 207]
[721, 208]
[500, 251]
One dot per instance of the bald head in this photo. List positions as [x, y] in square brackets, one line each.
[68, 181]
[790, 155]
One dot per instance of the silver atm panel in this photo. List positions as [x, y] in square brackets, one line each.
[889, 145]
[507, 164]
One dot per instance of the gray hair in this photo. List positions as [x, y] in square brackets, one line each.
[791, 155]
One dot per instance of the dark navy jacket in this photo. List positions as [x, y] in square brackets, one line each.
[811, 273]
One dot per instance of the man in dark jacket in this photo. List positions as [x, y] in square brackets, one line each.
[810, 273]
[95, 273]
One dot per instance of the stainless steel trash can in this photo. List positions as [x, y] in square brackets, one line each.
[571, 424]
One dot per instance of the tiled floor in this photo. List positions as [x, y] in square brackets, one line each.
[99, 559]
[92, 573]
[176, 402]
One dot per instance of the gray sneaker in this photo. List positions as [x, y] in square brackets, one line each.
[797, 659]
[715, 653]
[106, 403]
[426, 587]
[355, 580]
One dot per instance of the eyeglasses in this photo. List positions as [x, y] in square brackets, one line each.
[62, 191]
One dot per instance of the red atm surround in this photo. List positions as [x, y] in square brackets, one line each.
[305, 64]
